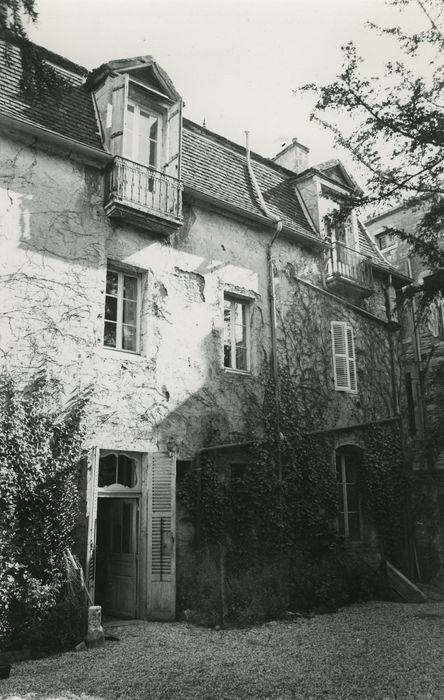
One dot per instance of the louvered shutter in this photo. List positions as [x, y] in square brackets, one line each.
[351, 358]
[90, 574]
[119, 101]
[340, 356]
[161, 536]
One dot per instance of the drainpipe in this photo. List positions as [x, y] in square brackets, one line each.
[418, 357]
[388, 311]
[272, 303]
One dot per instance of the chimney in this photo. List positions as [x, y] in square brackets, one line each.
[293, 157]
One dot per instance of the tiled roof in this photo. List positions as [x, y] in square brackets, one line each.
[69, 111]
[218, 168]
[367, 247]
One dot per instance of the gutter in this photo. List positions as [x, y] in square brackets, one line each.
[92, 155]
[272, 301]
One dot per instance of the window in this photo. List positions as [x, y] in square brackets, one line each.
[122, 311]
[385, 240]
[344, 361]
[236, 334]
[142, 135]
[349, 520]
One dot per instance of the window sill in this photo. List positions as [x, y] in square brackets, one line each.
[127, 354]
[244, 372]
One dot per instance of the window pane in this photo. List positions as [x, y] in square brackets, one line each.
[351, 470]
[110, 334]
[130, 288]
[126, 528]
[241, 357]
[227, 356]
[352, 497]
[116, 542]
[130, 312]
[153, 154]
[227, 323]
[153, 130]
[129, 338]
[127, 471]
[354, 527]
[107, 470]
[112, 280]
[111, 308]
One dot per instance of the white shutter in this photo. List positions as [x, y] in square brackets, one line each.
[90, 574]
[118, 117]
[174, 121]
[344, 360]
[351, 358]
[340, 357]
[161, 536]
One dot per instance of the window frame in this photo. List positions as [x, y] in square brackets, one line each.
[245, 302]
[343, 455]
[122, 272]
[349, 357]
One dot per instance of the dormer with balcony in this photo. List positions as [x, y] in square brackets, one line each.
[324, 191]
[140, 115]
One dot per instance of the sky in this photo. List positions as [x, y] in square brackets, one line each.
[236, 64]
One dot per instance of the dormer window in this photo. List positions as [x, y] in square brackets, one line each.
[141, 115]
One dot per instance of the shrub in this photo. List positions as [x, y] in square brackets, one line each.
[40, 448]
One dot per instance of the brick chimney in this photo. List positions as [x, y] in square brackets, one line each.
[294, 156]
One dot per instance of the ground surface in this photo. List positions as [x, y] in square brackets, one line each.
[374, 651]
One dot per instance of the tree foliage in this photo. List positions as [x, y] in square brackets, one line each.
[393, 124]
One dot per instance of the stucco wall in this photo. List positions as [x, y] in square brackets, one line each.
[56, 242]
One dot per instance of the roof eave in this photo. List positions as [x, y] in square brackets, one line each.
[81, 151]
[303, 238]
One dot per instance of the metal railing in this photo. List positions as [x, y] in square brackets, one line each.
[132, 183]
[348, 264]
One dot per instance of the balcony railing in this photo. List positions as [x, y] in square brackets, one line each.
[348, 270]
[145, 196]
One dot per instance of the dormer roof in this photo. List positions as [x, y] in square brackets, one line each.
[332, 170]
[144, 69]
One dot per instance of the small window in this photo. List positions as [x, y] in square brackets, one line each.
[122, 325]
[349, 506]
[236, 334]
[344, 360]
[385, 240]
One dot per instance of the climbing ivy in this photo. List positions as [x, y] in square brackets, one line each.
[40, 450]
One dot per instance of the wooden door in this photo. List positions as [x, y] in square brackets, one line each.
[117, 555]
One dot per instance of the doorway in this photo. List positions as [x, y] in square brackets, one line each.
[117, 555]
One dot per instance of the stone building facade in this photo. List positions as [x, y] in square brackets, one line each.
[422, 315]
[170, 269]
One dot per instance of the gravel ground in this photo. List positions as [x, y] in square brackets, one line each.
[373, 650]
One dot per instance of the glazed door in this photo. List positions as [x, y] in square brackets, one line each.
[117, 554]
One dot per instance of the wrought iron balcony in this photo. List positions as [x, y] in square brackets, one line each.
[349, 272]
[143, 196]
